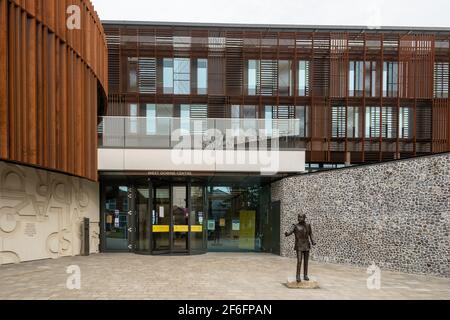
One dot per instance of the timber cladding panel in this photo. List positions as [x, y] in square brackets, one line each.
[51, 79]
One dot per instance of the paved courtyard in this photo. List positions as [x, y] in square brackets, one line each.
[210, 276]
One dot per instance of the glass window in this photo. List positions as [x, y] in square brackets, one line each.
[235, 111]
[373, 118]
[371, 85]
[253, 68]
[177, 76]
[352, 122]
[234, 218]
[164, 113]
[390, 79]
[132, 74]
[164, 110]
[268, 78]
[182, 76]
[133, 118]
[268, 116]
[202, 76]
[150, 114]
[288, 120]
[389, 122]
[405, 123]
[185, 115]
[236, 116]
[116, 213]
[303, 78]
[338, 122]
[356, 78]
[249, 114]
[441, 74]
[168, 75]
[301, 113]
[285, 78]
[345, 122]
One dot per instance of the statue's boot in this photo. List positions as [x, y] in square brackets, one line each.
[306, 278]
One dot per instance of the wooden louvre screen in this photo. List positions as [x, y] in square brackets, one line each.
[355, 82]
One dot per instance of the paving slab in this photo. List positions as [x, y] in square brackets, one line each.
[229, 276]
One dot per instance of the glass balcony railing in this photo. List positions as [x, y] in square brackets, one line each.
[201, 134]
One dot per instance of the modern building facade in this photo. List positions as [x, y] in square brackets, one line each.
[170, 136]
[322, 97]
[53, 87]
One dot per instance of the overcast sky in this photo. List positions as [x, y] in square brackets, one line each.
[417, 13]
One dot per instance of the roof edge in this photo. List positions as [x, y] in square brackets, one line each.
[280, 26]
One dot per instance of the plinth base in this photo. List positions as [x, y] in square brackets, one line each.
[303, 285]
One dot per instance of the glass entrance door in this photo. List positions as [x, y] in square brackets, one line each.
[161, 220]
[180, 219]
[117, 221]
[143, 217]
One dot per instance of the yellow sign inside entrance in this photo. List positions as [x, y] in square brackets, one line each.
[180, 228]
[164, 228]
[247, 230]
[197, 228]
[161, 228]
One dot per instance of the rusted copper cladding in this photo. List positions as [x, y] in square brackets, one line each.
[397, 91]
[52, 79]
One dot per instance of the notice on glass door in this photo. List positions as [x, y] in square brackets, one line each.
[236, 225]
[211, 225]
[161, 212]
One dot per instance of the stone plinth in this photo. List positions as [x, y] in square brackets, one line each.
[303, 285]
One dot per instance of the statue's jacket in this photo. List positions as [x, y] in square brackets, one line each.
[303, 234]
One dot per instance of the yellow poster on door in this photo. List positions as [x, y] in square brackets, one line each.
[181, 228]
[247, 230]
[160, 228]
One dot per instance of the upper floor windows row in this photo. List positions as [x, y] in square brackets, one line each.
[382, 122]
[397, 79]
[186, 76]
[216, 40]
[389, 79]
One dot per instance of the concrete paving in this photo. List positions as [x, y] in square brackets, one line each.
[230, 276]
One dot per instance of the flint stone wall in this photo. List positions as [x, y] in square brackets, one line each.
[396, 214]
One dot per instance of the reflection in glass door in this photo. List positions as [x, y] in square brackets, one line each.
[161, 219]
[197, 219]
[143, 216]
[180, 219]
[116, 217]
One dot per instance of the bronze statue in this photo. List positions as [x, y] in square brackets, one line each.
[303, 236]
